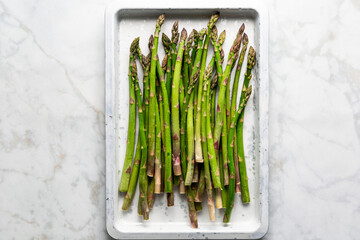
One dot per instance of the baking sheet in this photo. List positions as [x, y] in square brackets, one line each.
[124, 22]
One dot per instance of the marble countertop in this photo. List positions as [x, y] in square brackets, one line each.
[52, 139]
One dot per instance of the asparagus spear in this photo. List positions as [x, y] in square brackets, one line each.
[130, 142]
[152, 105]
[238, 36]
[187, 58]
[233, 108]
[167, 143]
[224, 76]
[195, 49]
[174, 42]
[182, 134]
[145, 62]
[147, 86]
[175, 106]
[215, 174]
[231, 195]
[245, 196]
[167, 46]
[170, 199]
[210, 146]
[134, 177]
[190, 131]
[157, 176]
[201, 187]
[190, 157]
[198, 149]
[151, 193]
[214, 83]
[196, 174]
[191, 206]
[183, 109]
[143, 181]
[221, 194]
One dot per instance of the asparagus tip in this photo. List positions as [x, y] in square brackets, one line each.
[236, 46]
[214, 81]
[143, 61]
[214, 34]
[151, 41]
[222, 55]
[191, 38]
[248, 92]
[213, 20]
[164, 62]
[245, 39]
[251, 57]
[160, 20]
[134, 45]
[242, 28]
[221, 39]
[175, 32]
[202, 34]
[166, 42]
[183, 34]
[208, 72]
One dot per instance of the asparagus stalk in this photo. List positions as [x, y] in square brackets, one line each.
[167, 142]
[245, 195]
[238, 36]
[174, 42]
[139, 210]
[215, 173]
[210, 145]
[198, 146]
[190, 141]
[157, 176]
[175, 106]
[182, 133]
[235, 87]
[191, 206]
[224, 76]
[170, 199]
[221, 194]
[134, 177]
[190, 130]
[195, 49]
[147, 86]
[167, 46]
[187, 59]
[152, 105]
[130, 142]
[196, 174]
[151, 193]
[143, 181]
[231, 194]
[201, 187]
[145, 62]
[214, 83]
[162, 121]
[233, 109]
[224, 151]
[183, 109]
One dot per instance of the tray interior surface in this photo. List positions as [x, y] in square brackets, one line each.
[132, 23]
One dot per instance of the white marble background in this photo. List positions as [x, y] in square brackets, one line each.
[52, 158]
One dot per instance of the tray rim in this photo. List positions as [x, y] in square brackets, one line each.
[111, 12]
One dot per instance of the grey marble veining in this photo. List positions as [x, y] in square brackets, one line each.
[52, 151]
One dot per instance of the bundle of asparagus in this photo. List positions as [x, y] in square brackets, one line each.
[190, 130]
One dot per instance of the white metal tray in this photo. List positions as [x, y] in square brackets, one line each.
[123, 22]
